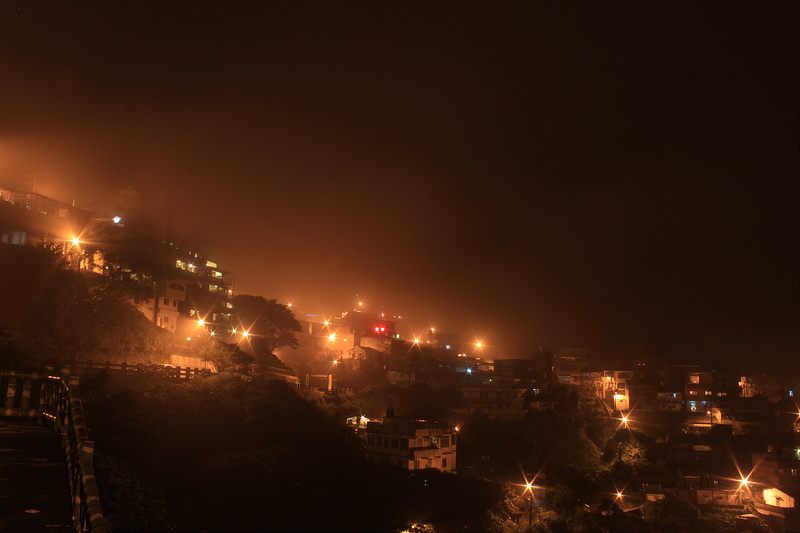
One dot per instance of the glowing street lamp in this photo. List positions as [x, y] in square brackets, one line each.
[245, 334]
[201, 322]
[332, 337]
[529, 490]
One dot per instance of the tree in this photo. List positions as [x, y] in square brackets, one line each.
[271, 325]
[225, 357]
[56, 315]
[671, 514]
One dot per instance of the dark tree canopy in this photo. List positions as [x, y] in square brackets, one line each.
[271, 325]
[56, 315]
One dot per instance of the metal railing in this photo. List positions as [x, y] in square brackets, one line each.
[56, 399]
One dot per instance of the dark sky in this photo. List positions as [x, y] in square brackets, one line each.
[587, 174]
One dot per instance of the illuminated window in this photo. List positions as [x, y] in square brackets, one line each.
[211, 264]
[191, 268]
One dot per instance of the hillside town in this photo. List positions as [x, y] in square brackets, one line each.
[725, 441]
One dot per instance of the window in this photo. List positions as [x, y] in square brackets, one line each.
[174, 303]
[445, 442]
[444, 462]
[403, 444]
[166, 301]
[165, 320]
[395, 443]
[692, 393]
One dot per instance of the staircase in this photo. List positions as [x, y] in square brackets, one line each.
[46, 473]
[34, 484]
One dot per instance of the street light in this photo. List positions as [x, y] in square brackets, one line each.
[529, 490]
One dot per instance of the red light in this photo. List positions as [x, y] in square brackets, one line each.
[383, 329]
[377, 329]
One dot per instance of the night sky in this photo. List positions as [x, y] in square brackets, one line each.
[587, 174]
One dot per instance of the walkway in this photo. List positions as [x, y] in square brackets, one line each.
[34, 486]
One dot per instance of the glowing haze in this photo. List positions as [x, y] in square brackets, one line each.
[531, 175]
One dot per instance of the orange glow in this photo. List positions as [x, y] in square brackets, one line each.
[76, 241]
[332, 337]
[245, 334]
[478, 344]
[201, 322]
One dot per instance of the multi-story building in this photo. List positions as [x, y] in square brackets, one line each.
[411, 444]
[611, 386]
[568, 365]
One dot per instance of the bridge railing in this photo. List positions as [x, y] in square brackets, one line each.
[56, 400]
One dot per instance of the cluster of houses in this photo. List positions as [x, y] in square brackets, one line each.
[192, 297]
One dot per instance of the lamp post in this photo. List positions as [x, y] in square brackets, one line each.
[529, 489]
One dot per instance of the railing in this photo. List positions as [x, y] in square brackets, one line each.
[128, 370]
[58, 403]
